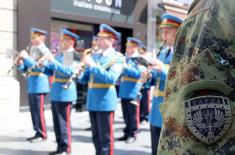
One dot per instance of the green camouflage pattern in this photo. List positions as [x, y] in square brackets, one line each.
[204, 58]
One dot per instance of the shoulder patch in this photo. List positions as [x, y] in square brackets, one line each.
[208, 117]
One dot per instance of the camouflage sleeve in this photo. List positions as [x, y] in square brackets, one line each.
[200, 91]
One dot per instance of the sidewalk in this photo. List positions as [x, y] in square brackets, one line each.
[14, 131]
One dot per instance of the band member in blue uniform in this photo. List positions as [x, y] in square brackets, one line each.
[37, 82]
[129, 89]
[145, 89]
[101, 74]
[169, 27]
[63, 91]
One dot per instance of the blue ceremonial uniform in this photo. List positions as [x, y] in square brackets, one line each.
[102, 95]
[130, 81]
[37, 86]
[108, 31]
[102, 98]
[37, 31]
[101, 82]
[129, 90]
[62, 98]
[37, 82]
[155, 117]
[158, 96]
[62, 75]
[145, 89]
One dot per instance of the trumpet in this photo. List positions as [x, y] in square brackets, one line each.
[86, 52]
[17, 59]
[75, 75]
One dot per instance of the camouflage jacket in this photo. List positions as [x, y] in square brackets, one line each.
[199, 108]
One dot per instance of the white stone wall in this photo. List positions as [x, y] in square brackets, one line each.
[9, 87]
[8, 32]
[8, 24]
[9, 97]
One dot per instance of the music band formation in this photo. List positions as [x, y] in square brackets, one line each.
[110, 76]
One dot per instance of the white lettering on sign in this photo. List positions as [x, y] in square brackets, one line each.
[118, 3]
[108, 2]
[110, 6]
[99, 1]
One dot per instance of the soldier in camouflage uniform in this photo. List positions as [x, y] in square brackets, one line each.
[199, 107]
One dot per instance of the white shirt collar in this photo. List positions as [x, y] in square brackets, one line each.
[41, 45]
[108, 51]
[135, 54]
[70, 50]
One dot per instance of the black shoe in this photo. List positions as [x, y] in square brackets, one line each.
[59, 152]
[35, 139]
[54, 152]
[144, 121]
[88, 129]
[123, 138]
[141, 120]
[130, 140]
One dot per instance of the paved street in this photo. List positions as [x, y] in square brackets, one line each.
[14, 130]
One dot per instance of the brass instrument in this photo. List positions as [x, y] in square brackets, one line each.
[80, 55]
[37, 59]
[146, 63]
[148, 74]
[18, 58]
[27, 73]
[16, 54]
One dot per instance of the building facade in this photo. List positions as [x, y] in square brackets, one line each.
[9, 86]
[82, 17]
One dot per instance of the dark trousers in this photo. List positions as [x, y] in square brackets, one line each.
[144, 104]
[36, 105]
[155, 135]
[102, 132]
[61, 112]
[130, 117]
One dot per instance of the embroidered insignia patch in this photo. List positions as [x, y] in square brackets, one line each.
[208, 117]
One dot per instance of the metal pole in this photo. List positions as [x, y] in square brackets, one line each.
[151, 27]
